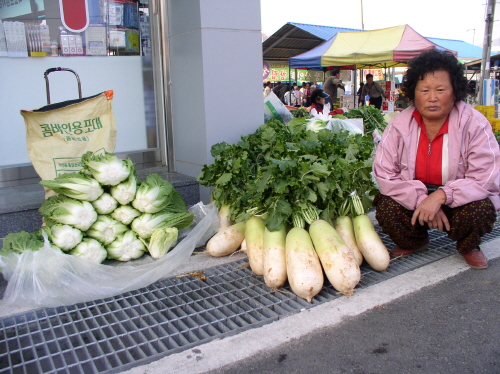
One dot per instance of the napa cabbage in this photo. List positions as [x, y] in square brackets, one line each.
[75, 185]
[105, 204]
[126, 247]
[65, 210]
[107, 169]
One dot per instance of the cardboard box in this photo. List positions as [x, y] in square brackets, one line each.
[391, 97]
[388, 106]
[390, 85]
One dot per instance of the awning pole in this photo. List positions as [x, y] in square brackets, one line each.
[354, 90]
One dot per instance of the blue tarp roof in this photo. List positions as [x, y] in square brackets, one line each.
[464, 49]
[323, 32]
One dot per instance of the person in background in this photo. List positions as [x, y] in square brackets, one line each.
[313, 86]
[277, 89]
[374, 91]
[267, 88]
[283, 91]
[332, 84]
[361, 98]
[437, 165]
[318, 100]
[306, 92]
[294, 97]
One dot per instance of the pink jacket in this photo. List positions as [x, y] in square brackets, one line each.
[474, 160]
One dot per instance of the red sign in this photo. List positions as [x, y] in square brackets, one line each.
[74, 14]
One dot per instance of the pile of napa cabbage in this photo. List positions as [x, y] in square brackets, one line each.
[106, 212]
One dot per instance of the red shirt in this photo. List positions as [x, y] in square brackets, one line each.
[318, 107]
[429, 165]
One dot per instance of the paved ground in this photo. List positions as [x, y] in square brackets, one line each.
[441, 318]
[452, 327]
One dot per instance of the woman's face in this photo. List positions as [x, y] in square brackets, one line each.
[434, 96]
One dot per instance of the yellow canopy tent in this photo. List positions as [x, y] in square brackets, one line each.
[382, 48]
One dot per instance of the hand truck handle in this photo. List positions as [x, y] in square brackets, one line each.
[48, 71]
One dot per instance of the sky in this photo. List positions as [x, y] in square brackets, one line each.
[445, 19]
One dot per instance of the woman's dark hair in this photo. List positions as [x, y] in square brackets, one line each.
[430, 61]
[315, 94]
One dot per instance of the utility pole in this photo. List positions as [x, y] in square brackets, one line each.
[485, 62]
[362, 21]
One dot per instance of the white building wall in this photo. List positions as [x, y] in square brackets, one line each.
[216, 77]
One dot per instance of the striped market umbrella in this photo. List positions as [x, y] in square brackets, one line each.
[382, 48]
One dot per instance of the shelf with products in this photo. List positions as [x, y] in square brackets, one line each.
[111, 28]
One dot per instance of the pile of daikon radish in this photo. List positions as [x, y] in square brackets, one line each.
[303, 256]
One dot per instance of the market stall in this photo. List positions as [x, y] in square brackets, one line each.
[383, 48]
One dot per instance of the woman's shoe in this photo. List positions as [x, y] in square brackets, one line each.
[397, 251]
[476, 259]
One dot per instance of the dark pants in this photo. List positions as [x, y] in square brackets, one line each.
[468, 223]
[376, 102]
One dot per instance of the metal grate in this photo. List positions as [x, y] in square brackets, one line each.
[171, 315]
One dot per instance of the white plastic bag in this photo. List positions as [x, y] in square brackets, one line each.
[49, 278]
[337, 124]
[274, 108]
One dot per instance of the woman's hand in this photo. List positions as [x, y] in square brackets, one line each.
[440, 221]
[429, 211]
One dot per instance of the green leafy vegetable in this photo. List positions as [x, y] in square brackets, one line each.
[106, 229]
[75, 185]
[290, 174]
[107, 169]
[105, 204]
[65, 210]
[19, 242]
[372, 118]
[90, 250]
[125, 214]
[316, 125]
[155, 194]
[300, 113]
[126, 247]
[161, 241]
[124, 192]
[147, 223]
[64, 236]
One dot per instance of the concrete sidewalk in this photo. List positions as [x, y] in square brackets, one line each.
[441, 318]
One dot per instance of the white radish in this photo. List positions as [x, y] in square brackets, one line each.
[302, 264]
[254, 237]
[275, 258]
[337, 260]
[226, 241]
[224, 213]
[243, 246]
[345, 228]
[370, 244]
